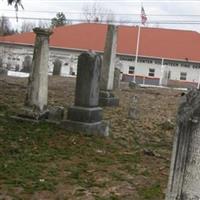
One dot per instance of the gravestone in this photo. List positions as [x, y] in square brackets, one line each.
[86, 115]
[56, 114]
[26, 65]
[57, 67]
[133, 112]
[117, 76]
[184, 178]
[3, 72]
[107, 97]
[37, 90]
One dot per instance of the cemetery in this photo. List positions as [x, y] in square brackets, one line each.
[44, 160]
[95, 136]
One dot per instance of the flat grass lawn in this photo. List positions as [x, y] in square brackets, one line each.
[43, 161]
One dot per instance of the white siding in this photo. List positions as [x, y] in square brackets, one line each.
[70, 57]
[192, 74]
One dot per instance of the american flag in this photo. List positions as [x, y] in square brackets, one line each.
[143, 16]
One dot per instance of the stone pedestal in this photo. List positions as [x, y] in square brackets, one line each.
[37, 90]
[184, 178]
[107, 97]
[86, 115]
[56, 114]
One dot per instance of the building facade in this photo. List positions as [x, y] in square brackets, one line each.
[165, 56]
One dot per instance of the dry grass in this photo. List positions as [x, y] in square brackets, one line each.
[42, 161]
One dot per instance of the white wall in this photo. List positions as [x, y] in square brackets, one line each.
[192, 74]
[66, 56]
[142, 69]
[14, 55]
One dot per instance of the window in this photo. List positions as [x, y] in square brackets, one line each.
[183, 76]
[171, 63]
[131, 70]
[144, 60]
[185, 65]
[127, 58]
[196, 66]
[158, 62]
[151, 72]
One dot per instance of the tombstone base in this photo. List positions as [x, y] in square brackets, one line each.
[31, 114]
[85, 120]
[97, 128]
[56, 114]
[84, 114]
[107, 98]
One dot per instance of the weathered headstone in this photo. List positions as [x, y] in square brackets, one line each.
[26, 65]
[107, 97]
[132, 85]
[56, 114]
[184, 178]
[57, 67]
[133, 112]
[117, 76]
[86, 115]
[3, 71]
[37, 91]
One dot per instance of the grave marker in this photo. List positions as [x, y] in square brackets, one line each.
[57, 65]
[184, 178]
[117, 76]
[37, 91]
[107, 97]
[86, 115]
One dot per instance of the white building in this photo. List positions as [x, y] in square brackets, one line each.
[163, 53]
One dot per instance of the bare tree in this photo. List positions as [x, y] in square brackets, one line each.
[27, 26]
[110, 17]
[5, 26]
[97, 13]
[44, 24]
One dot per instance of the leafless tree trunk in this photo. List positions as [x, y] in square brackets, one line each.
[5, 26]
[96, 13]
[27, 26]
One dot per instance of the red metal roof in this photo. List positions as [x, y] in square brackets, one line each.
[154, 42]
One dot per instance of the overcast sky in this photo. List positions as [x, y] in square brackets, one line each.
[177, 14]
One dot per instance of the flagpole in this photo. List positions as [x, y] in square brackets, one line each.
[137, 49]
[143, 20]
[162, 72]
